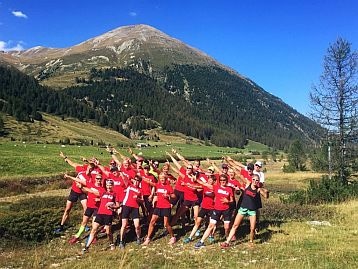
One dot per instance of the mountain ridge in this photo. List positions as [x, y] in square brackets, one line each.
[129, 63]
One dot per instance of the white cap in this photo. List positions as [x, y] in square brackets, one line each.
[258, 163]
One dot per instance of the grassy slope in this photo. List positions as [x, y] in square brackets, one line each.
[280, 244]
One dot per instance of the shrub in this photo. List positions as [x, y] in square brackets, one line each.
[325, 190]
[33, 219]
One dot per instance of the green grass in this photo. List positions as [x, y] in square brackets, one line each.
[22, 159]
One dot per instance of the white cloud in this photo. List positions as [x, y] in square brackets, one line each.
[133, 14]
[8, 46]
[19, 14]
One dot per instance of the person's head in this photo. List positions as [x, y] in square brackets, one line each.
[136, 180]
[139, 162]
[112, 163]
[258, 166]
[109, 184]
[189, 169]
[225, 168]
[211, 179]
[126, 163]
[155, 164]
[211, 170]
[165, 169]
[250, 168]
[114, 170]
[196, 164]
[146, 168]
[231, 173]
[98, 180]
[162, 178]
[256, 180]
[223, 179]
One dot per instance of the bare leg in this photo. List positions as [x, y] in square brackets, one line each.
[168, 227]
[234, 227]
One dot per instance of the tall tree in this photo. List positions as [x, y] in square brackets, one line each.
[297, 156]
[334, 100]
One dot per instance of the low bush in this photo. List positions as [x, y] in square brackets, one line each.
[323, 191]
[279, 211]
[33, 219]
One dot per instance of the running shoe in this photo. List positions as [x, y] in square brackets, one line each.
[224, 245]
[187, 240]
[84, 251]
[139, 241]
[172, 240]
[211, 239]
[58, 230]
[121, 245]
[146, 242]
[199, 245]
[112, 247]
[87, 228]
[197, 234]
[73, 240]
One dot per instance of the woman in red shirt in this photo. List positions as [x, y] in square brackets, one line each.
[223, 198]
[104, 215]
[163, 207]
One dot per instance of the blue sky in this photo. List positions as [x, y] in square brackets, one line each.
[278, 44]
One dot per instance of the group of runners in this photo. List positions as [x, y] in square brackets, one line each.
[205, 196]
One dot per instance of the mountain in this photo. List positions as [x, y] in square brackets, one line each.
[137, 77]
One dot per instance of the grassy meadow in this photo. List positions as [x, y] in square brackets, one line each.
[286, 239]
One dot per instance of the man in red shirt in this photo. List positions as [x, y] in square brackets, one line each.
[223, 198]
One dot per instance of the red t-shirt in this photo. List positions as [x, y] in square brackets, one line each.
[208, 198]
[146, 188]
[190, 194]
[222, 192]
[178, 185]
[131, 196]
[163, 193]
[118, 186]
[81, 175]
[106, 197]
[128, 173]
[91, 197]
[246, 174]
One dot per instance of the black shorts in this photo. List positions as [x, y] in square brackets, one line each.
[75, 196]
[130, 212]
[162, 212]
[216, 215]
[104, 219]
[179, 198]
[91, 212]
[204, 212]
[191, 203]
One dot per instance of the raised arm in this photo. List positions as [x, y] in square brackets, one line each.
[177, 164]
[180, 157]
[82, 181]
[213, 165]
[67, 160]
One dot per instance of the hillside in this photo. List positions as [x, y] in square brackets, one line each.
[135, 78]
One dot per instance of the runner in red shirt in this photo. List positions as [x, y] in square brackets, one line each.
[93, 202]
[84, 171]
[130, 208]
[191, 199]
[163, 207]
[108, 204]
[223, 197]
[147, 191]
[207, 205]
